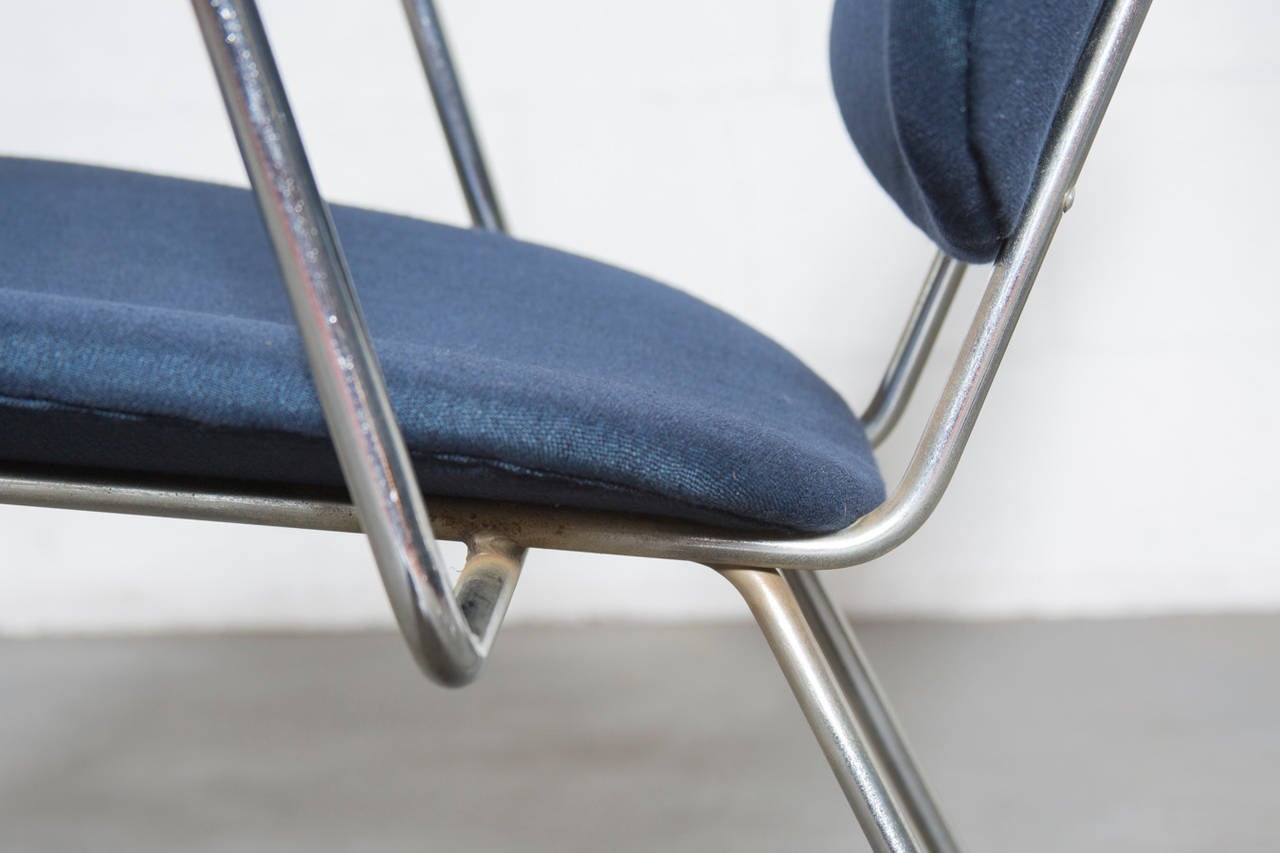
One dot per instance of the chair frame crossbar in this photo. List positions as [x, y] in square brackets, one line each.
[450, 628]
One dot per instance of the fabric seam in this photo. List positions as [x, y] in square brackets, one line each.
[487, 462]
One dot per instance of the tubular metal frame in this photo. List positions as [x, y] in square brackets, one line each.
[450, 632]
[827, 708]
[918, 492]
[371, 451]
[879, 727]
[451, 105]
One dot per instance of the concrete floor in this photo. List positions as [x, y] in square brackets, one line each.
[1144, 735]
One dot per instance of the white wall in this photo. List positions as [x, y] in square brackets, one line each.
[1126, 458]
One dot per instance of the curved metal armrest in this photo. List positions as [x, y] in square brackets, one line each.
[449, 636]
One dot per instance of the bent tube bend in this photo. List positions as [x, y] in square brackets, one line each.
[344, 366]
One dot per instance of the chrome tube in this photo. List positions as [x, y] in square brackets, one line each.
[842, 740]
[451, 105]
[912, 352]
[343, 363]
[870, 707]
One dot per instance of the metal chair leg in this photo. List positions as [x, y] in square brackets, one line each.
[825, 707]
[871, 709]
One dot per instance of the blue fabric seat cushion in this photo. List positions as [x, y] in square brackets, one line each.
[950, 103]
[143, 328]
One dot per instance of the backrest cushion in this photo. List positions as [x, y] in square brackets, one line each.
[950, 103]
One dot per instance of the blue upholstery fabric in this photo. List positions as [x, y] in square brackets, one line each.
[143, 328]
[950, 103]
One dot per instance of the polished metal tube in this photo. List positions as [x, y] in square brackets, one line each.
[344, 366]
[867, 701]
[912, 352]
[451, 105]
[824, 705]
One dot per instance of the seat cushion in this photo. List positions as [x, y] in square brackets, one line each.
[950, 102]
[144, 328]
